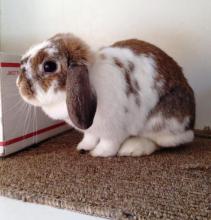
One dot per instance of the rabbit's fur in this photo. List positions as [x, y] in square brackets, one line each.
[128, 99]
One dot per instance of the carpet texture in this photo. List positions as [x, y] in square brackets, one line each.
[170, 184]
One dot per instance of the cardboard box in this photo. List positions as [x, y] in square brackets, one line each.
[21, 125]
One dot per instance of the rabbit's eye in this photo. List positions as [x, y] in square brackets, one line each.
[50, 66]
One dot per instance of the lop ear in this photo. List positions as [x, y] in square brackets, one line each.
[81, 100]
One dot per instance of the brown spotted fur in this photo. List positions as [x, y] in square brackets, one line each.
[24, 60]
[176, 96]
[132, 84]
[131, 66]
[74, 48]
[73, 56]
[26, 86]
[70, 50]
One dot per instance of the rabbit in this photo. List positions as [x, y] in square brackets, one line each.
[128, 99]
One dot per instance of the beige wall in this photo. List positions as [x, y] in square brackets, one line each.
[181, 27]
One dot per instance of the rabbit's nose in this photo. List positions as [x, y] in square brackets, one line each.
[23, 69]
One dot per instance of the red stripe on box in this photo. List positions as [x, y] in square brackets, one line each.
[3, 64]
[26, 136]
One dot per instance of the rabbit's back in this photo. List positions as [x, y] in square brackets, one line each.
[134, 81]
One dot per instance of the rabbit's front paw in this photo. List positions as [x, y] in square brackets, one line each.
[105, 148]
[88, 143]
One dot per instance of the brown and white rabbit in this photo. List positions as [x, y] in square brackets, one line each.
[128, 99]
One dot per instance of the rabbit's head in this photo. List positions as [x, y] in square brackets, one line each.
[57, 70]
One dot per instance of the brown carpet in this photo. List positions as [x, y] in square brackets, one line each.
[171, 184]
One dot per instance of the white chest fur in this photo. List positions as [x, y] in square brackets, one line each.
[57, 111]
